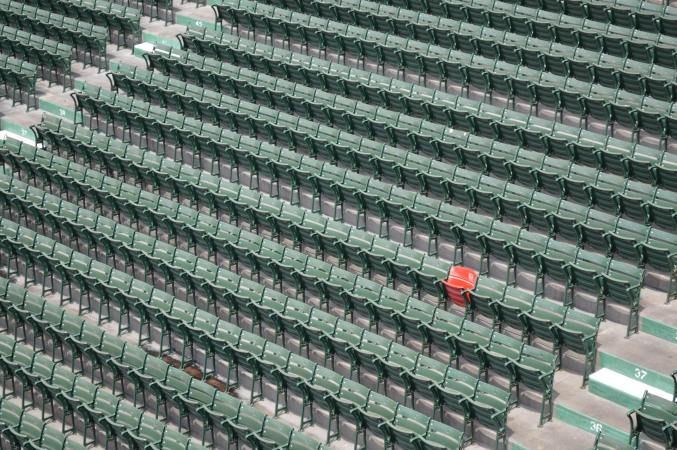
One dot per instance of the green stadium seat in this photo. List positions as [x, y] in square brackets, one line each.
[90, 38]
[18, 78]
[446, 32]
[530, 119]
[656, 418]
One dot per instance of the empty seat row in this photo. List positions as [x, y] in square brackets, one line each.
[607, 104]
[18, 78]
[554, 176]
[575, 267]
[311, 228]
[131, 363]
[25, 430]
[52, 56]
[343, 397]
[475, 343]
[422, 272]
[372, 254]
[620, 202]
[302, 226]
[647, 46]
[587, 148]
[536, 367]
[67, 30]
[532, 315]
[123, 19]
[645, 15]
[167, 259]
[610, 71]
[95, 405]
[619, 280]
[502, 198]
[461, 185]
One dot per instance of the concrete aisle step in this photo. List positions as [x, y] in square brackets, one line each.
[622, 390]
[590, 413]
[631, 369]
[663, 329]
[579, 408]
[657, 317]
[554, 435]
[643, 356]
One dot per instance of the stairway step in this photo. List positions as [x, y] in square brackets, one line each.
[621, 389]
[159, 40]
[659, 329]
[636, 372]
[590, 424]
[197, 17]
[657, 317]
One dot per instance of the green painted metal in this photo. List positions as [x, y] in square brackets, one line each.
[59, 110]
[588, 424]
[659, 329]
[155, 39]
[12, 127]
